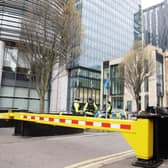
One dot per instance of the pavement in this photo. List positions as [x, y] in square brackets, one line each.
[53, 148]
[118, 160]
[57, 151]
[126, 163]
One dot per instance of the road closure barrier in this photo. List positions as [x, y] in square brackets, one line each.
[146, 135]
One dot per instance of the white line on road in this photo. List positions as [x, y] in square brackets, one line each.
[95, 163]
[77, 136]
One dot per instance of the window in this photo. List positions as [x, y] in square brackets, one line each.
[117, 102]
[20, 103]
[146, 66]
[10, 59]
[146, 103]
[129, 106]
[146, 84]
[159, 71]
[6, 91]
[6, 102]
[34, 105]
[21, 92]
[22, 98]
[117, 86]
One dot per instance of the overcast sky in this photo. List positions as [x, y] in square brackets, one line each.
[148, 3]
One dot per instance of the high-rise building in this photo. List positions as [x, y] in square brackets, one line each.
[163, 26]
[109, 28]
[16, 89]
[155, 25]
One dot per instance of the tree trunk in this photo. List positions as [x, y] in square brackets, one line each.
[42, 103]
[137, 104]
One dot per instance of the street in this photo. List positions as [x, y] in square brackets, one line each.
[56, 151]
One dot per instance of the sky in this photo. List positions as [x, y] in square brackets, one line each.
[148, 3]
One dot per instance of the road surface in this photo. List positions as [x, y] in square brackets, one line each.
[56, 151]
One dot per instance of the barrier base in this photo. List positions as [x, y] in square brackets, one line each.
[147, 163]
[24, 128]
[6, 123]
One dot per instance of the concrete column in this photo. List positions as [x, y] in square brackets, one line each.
[2, 47]
[59, 86]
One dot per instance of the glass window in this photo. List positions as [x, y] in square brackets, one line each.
[6, 91]
[21, 103]
[129, 106]
[106, 73]
[10, 59]
[159, 71]
[21, 92]
[74, 73]
[117, 102]
[146, 101]
[97, 97]
[34, 105]
[146, 85]
[117, 86]
[6, 102]
[85, 95]
[33, 94]
[22, 60]
[22, 67]
[46, 106]
[146, 66]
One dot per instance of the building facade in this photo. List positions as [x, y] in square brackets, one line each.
[114, 91]
[163, 26]
[155, 25]
[85, 84]
[109, 29]
[153, 90]
[16, 89]
[166, 76]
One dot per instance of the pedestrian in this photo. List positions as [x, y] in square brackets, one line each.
[109, 109]
[90, 108]
[76, 106]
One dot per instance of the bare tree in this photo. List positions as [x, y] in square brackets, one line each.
[71, 32]
[136, 65]
[50, 35]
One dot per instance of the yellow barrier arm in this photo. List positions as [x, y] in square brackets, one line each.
[138, 133]
[142, 139]
[4, 116]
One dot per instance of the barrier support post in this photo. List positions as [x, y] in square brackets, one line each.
[157, 141]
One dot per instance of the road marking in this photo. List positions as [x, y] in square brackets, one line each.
[97, 162]
[85, 134]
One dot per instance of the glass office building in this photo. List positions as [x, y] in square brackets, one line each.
[84, 84]
[16, 89]
[115, 89]
[163, 26]
[155, 25]
[108, 29]
[152, 90]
